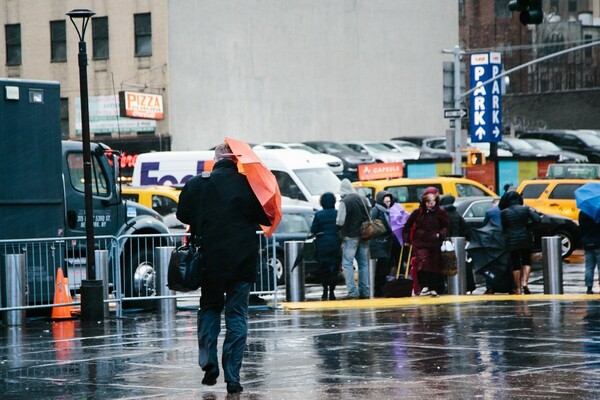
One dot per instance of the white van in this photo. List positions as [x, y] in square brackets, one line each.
[299, 177]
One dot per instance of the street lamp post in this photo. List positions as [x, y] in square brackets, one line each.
[91, 289]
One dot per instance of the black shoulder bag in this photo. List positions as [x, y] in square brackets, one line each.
[186, 266]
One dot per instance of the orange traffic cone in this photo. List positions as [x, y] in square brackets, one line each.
[62, 296]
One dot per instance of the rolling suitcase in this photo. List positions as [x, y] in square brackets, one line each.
[400, 285]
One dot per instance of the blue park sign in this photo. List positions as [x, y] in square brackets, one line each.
[486, 100]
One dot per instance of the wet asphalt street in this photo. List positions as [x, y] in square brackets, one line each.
[467, 347]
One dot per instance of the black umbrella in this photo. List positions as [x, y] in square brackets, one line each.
[488, 251]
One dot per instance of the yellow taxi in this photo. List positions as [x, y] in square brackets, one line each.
[552, 196]
[408, 191]
[162, 199]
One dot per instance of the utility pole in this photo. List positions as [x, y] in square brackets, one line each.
[457, 156]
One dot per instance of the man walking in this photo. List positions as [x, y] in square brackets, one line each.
[224, 215]
[353, 211]
[590, 237]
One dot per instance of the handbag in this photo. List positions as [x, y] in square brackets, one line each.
[186, 268]
[371, 228]
[400, 285]
[448, 261]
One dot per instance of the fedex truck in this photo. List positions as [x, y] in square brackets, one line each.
[299, 176]
[42, 194]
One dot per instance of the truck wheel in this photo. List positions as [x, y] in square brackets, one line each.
[140, 274]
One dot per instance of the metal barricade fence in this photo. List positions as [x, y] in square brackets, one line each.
[131, 267]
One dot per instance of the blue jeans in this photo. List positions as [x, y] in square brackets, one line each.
[354, 248]
[592, 261]
[233, 297]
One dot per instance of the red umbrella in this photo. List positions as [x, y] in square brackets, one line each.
[261, 179]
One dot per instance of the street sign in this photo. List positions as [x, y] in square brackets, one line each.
[486, 101]
[454, 113]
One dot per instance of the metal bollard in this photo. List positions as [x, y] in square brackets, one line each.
[372, 268]
[457, 284]
[14, 292]
[294, 274]
[552, 265]
[102, 273]
[162, 256]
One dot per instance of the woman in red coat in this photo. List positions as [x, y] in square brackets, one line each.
[426, 229]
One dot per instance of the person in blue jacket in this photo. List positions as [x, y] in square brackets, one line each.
[329, 244]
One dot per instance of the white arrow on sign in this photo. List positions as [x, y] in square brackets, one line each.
[454, 113]
[480, 133]
[496, 131]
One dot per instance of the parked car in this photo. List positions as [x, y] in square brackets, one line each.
[437, 146]
[296, 220]
[582, 142]
[552, 196]
[563, 155]
[417, 140]
[521, 147]
[335, 163]
[473, 211]
[408, 150]
[408, 191]
[349, 157]
[380, 152]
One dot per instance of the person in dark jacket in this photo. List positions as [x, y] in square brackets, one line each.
[516, 218]
[353, 210]
[426, 229]
[329, 255]
[380, 248]
[590, 238]
[224, 215]
[458, 228]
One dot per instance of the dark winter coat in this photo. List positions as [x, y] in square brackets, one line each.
[326, 233]
[225, 213]
[425, 230]
[516, 219]
[354, 208]
[458, 226]
[590, 232]
[380, 247]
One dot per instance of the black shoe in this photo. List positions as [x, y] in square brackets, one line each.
[526, 290]
[324, 296]
[489, 291]
[589, 290]
[234, 387]
[210, 377]
[331, 296]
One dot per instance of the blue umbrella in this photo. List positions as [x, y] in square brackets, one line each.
[587, 198]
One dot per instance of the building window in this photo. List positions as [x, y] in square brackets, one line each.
[64, 118]
[572, 6]
[143, 34]
[100, 38]
[13, 44]
[58, 41]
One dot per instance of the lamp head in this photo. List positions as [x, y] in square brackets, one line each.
[84, 15]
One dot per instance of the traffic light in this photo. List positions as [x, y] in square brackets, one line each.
[475, 158]
[530, 11]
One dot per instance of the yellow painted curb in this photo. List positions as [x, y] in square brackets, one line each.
[418, 300]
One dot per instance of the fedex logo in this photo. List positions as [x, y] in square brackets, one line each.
[150, 174]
